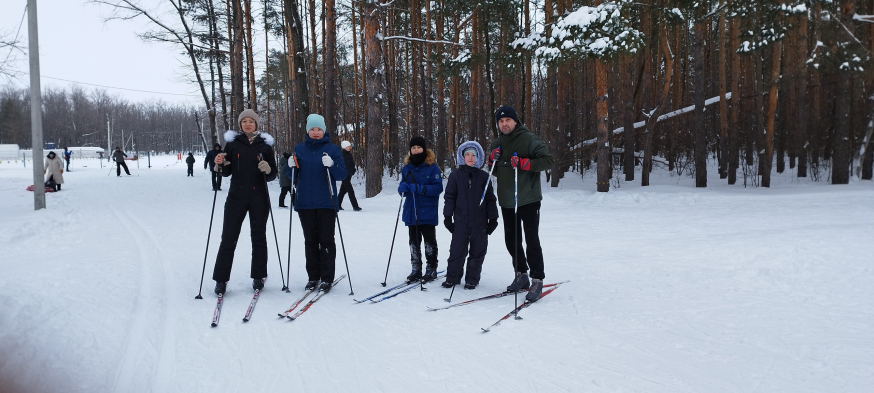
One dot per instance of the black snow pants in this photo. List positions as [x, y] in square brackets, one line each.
[429, 233]
[216, 180]
[319, 245]
[346, 187]
[471, 243]
[235, 211]
[284, 190]
[118, 166]
[528, 223]
[190, 170]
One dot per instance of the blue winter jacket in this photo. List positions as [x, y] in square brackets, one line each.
[428, 182]
[311, 178]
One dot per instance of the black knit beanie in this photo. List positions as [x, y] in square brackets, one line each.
[418, 141]
[506, 111]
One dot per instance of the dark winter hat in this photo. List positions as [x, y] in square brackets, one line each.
[250, 114]
[286, 154]
[506, 111]
[418, 141]
[217, 145]
[116, 148]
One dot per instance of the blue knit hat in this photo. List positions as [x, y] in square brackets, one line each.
[314, 120]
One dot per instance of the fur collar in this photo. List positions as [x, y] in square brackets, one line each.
[429, 159]
[268, 139]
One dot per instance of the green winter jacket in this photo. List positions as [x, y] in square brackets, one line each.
[526, 145]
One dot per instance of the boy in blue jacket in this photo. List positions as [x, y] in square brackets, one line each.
[314, 199]
[421, 184]
[474, 221]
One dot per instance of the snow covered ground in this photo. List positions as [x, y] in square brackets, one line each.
[672, 289]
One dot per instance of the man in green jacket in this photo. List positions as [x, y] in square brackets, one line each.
[516, 148]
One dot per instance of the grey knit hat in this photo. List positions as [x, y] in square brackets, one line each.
[250, 114]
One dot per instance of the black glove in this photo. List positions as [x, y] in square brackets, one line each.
[447, 222]
[493, 224]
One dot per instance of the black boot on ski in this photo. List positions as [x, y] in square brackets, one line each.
[519, 283]
[535, 291]
[430, 273]
[416, 275]
[325, 287]
[447, 284]
[469, 286]
[311, 285]
[258, 283]
[221, 287]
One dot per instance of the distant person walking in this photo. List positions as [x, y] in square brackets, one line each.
[346, 186]
[190, 162]
[54, 171]
[209, 161]
[249, 161]
[67, 155]
[119, 156]
[284, 181]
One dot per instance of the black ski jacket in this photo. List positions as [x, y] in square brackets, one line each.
[243, 167]
[350, 163]
[463, 192]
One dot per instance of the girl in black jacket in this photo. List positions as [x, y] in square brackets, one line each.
[474, 217]
[249, 161]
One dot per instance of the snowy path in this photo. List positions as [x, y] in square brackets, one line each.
[672, 289]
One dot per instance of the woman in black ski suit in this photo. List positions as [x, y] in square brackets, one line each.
[249, 161]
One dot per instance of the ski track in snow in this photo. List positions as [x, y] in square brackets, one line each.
[672, 289]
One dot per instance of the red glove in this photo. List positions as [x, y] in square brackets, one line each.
[521, 163]
[495, 155]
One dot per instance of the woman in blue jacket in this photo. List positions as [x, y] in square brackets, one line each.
[421, 184]
[314, 199]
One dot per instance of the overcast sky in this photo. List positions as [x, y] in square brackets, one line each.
[76, 44]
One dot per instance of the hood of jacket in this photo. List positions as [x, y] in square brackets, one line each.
[480, 155]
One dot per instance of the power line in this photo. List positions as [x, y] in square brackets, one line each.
[121, 88]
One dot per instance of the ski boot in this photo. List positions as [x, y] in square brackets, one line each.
[535, 291]
[311, 285]
[430, 273]
[447, 284]
[258, 283]
[221, 287]
[469, 286]
[416, 275]
[325, 287]
[519, 283]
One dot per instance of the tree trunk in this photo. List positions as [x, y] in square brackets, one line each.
[700, 127]
[375, 86]
[315, 85]
[250, 59]
[768, 158]
[628, 132]
[723, 103]
[736, 97]
[237, 69]
[330, 60]
[802, 103]
[604, 162]
[297, 67]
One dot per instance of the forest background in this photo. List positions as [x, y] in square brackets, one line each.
[755, 87]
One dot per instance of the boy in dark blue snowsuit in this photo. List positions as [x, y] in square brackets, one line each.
[473, 221]
[421, 184]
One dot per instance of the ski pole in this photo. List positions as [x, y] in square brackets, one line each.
[516, 230]
[275, 238]
[450, 294]
[290, 222]
[208, 233]
[395, 234]
[337, 216]
[497, 156]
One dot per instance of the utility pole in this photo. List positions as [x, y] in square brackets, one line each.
[39, 190]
